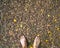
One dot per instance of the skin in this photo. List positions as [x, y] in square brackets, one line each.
[36, 42]
[24, 43]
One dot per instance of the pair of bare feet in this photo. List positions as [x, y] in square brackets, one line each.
[24, 42]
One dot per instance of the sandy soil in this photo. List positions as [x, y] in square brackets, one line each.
[29, 18]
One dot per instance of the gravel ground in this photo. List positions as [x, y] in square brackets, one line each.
[29, 18]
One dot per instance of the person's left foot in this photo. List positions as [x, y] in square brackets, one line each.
[23, 42]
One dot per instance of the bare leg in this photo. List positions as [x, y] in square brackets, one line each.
[23, 42]
[36, 42]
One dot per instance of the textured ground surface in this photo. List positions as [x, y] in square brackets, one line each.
[29, 18]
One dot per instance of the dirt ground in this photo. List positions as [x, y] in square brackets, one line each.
[29, 18]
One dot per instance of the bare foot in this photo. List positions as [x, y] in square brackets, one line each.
[36, 42]
[23, 42]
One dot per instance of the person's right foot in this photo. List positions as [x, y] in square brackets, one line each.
[36, 42]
